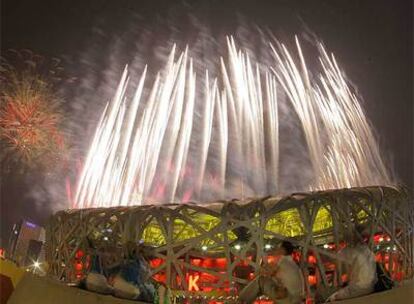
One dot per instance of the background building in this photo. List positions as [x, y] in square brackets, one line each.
[26, 242]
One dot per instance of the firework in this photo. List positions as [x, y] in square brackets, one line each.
[29, 118]
[348, 154]
[145, 150]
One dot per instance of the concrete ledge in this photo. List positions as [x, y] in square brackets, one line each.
[399, 295]
[37, 290]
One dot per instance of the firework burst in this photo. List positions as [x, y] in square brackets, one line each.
[30, 118]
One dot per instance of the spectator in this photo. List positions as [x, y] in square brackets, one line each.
[360, 261]
[282, 282]
[132, 280]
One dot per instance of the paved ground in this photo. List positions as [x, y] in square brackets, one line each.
[36, 290]
[399, 295]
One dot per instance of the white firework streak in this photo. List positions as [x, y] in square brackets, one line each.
[348, 155]
[140, 151]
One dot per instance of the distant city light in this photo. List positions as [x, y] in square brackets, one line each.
[268, 246]
[237, 247]
[31, 225]
[204, 248]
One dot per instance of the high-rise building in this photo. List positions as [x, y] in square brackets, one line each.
[25, 243]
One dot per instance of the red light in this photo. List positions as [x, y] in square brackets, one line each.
[330, 266]
[79, 266]
[207, 263]
[312, 280]
[271, 259]
[381, 237]
[154, 263]
[160, 277]
[208, 277]
[79, 254]
[311, 259]
[221, 263]
[196, 262]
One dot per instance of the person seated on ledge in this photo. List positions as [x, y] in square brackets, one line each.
[282, 282]
[96, 279]
[360, 261]
[132, 280]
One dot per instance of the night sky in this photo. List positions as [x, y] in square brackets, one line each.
[372, 39]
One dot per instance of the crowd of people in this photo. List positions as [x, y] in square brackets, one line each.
[282, 281]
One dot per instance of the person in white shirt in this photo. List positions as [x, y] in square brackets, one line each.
[360, 261]
[282, 282]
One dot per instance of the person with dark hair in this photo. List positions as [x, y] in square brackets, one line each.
[288, 247]
[281, 282]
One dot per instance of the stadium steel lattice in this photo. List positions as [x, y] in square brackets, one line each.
[233, 234]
